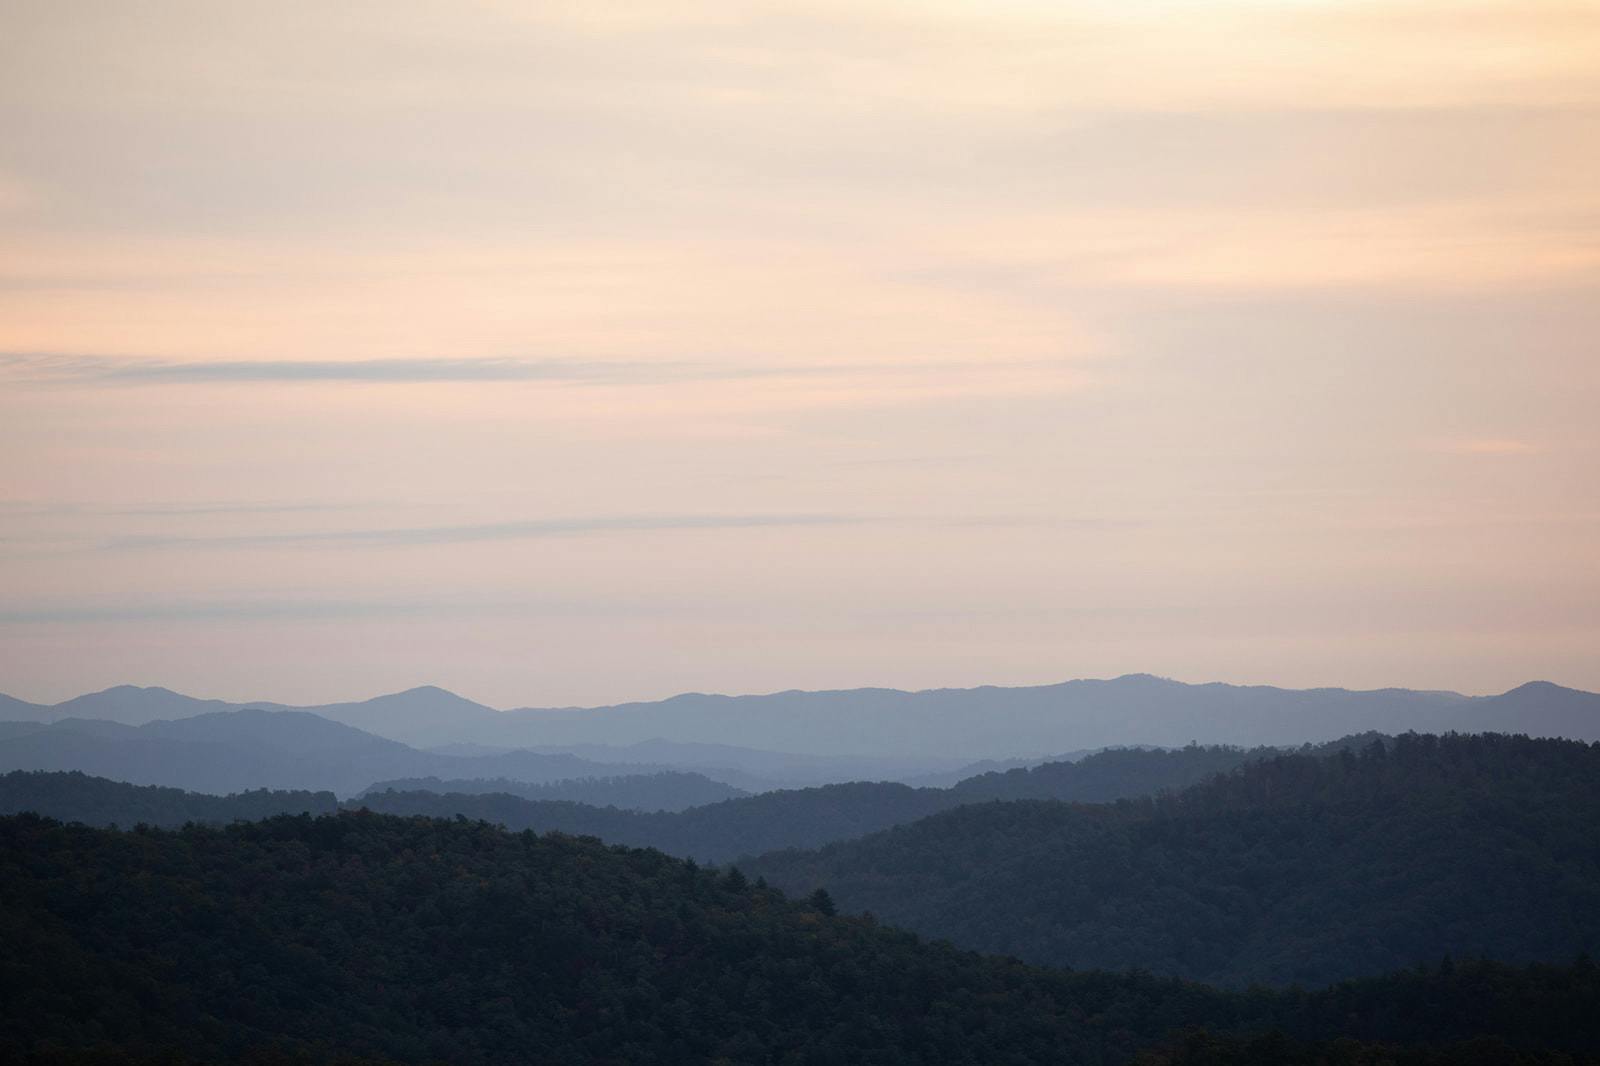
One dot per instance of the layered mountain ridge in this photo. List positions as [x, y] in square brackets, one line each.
[898, 733]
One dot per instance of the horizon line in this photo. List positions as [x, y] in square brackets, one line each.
[268, 704]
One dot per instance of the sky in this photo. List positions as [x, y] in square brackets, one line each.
[577, 353]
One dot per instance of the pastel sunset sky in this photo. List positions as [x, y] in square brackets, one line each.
[573, 353]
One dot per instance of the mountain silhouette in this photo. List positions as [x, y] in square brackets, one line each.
[910, 733]
[230, 751]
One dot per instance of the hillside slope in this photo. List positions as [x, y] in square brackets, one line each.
[73, 796]
[811, 817]
[423, 940]
[1295, 869]
[669, 790]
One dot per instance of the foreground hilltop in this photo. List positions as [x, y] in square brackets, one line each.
[415, 940]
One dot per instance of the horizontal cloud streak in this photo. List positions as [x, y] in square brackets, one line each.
[370, 370]
[95, 369]
[114, 370]
[488, 531]
[1492, 446]
[209, 611]
[309, 609]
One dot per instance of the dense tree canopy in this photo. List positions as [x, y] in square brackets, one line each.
[77, 797]
[811, 817]
[416, 939]
[716, 832]
[702, 820]
[1117, 773]
[1298, 868]
[668, 790]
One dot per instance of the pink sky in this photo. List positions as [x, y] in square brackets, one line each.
[574, 353]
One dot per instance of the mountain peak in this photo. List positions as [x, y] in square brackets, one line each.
[1541, 690]
[432, 695]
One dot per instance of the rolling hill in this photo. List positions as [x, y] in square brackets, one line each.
[411, 940]
[714, 831]
[73, 796]
[1294, 869]
[669, 790]
[810, 817]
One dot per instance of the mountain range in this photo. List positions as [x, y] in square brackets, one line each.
[893, 734]
[251, 748]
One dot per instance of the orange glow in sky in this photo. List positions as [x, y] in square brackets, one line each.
[572, 353]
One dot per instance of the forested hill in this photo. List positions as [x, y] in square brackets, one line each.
[1298, 868]
[415, 939]
[718, 832]
[77, 797]
[1123, 773]
[811, 817]
[668, 790]
[712, 831]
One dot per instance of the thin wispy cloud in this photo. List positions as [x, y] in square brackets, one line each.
[45, 369]
[1491, 446]
[489, 531]
[111, 370]
[170, 510]
[156, 610]
[240, 610]
[227, 508]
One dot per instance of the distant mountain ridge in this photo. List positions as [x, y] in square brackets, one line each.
[911, 734]
[132, 705]
[252, 748]
[15, 710]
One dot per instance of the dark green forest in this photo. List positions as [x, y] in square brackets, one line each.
[1273, 1049]
[668, 790]
[812, 817]
[1119, 773]
[710, 831]
[1300, 868]
[702, 821]
[717, 832]
[417, 939]
[73, 796]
